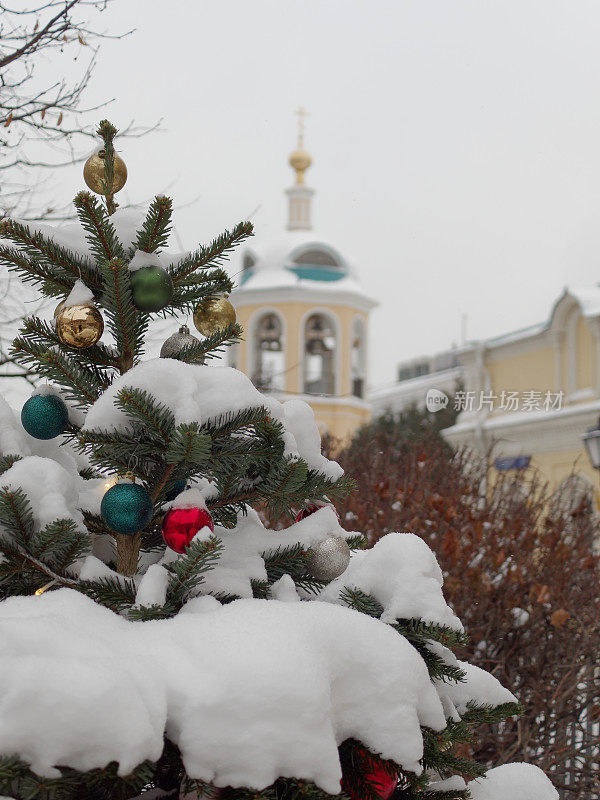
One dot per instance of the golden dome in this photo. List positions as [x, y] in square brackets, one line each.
[300, 161]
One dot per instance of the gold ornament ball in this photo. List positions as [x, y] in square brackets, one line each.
[79, 326]
[213, 315]
[93, 173]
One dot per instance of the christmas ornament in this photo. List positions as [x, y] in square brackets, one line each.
[213, 315]
[178, 488]
[374, 774]
[177, 342]
[180, 525]
[126, 508]
[151, 287]
[329, 558]
[79, 326]
[44, 416]
[93, 173]
[306, 512]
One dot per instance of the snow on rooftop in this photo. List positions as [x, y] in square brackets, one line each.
[588, 298]
[274, 265]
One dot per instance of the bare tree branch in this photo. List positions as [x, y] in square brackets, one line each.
[41, 110]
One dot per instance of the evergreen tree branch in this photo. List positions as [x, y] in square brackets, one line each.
[212, 254]
[187, 572]
[107, 132]
[16, 516]
[7, 461]
[101, 235]
[116, 594]
[211, 346]
[81, 384]
[199, 288]
[34, 271]
[157, 226]
[141, 407]
[189, 445]
[48, 261]
[44, 335]
[123, 319]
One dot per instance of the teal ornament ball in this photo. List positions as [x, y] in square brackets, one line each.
[151, 288]
[126, 508]
[44, 416]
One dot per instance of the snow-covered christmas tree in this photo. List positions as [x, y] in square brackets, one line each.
[155, 637]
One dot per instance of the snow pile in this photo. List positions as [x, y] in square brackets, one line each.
[478, 686]
[79, 295]
[249, 691]
[15, 441]
[241, 560]
[515, 781]
[142, 259]
[51, 490]
[12, 434]
[152, 588]
[452, 784]
[202, 394]
[402, 574]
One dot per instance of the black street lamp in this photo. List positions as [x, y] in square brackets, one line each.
[591, 440]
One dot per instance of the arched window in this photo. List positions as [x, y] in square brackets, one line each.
[319, 355]
[316, 258]
[358, 366]
[269, 358]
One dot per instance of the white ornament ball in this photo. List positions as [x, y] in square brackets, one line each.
[328, 559]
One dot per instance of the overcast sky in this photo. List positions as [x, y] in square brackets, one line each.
[456, 143]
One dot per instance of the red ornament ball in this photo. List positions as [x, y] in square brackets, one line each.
[306, 512]
[380, 780]
[374, 774]
[180, 525]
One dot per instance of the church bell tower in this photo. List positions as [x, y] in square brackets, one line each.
[305, 315]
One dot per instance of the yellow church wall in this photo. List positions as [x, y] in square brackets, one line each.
[555, 467]
[534, 370]
[551, 437]
[293, 314]
[338, 418]
[586, 351]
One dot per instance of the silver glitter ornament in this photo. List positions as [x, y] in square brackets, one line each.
[177, 342]
[328, 559]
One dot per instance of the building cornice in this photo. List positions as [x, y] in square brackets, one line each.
[528, 433]
[303, 294]
[325, 400]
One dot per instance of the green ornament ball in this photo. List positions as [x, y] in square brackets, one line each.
[44, 416]
[126, 508]
[151, 288]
